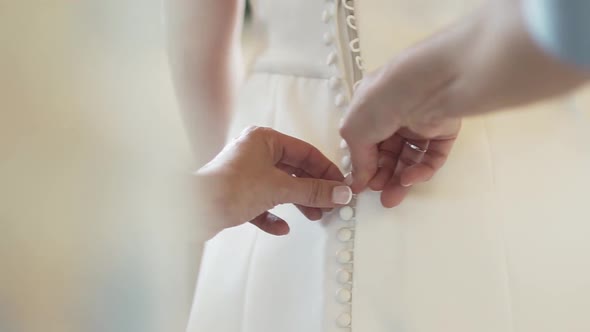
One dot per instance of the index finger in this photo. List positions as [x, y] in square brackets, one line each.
[363, 132]
[302, 155]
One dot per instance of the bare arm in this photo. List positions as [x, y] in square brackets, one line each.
[485, 62]
[203, 40]
[503, 66]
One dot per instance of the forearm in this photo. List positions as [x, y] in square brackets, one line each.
[204, 53]
[502, 66]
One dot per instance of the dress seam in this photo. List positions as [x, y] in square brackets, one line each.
[508, 275]
[247, 282]
[342, 38]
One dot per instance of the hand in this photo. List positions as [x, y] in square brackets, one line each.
[392, 127]
[262, 169]
[482, 63]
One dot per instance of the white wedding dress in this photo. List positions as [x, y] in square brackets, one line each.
[498, 241]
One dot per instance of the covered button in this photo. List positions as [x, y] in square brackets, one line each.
[346, 213]
[344, 256]
[331, 59]
[327, 15]
[339, 100]
[343, 145]
[344, 295]
[328, 38]
[344, 320]
[334, 82]
[344, 234]
[346, 162]
[344, 276]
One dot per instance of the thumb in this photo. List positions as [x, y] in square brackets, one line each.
[314, 192]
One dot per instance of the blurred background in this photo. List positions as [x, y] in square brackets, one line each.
[95, 227]
[96, 224]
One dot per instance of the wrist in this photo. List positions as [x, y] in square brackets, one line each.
[460, 58]
[213, 195]
[480, 60]
[440, 69]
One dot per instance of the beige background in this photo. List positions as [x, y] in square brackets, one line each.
[95, 230]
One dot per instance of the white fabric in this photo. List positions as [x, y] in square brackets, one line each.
[497, 242]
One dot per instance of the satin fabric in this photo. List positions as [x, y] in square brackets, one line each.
[496, 242]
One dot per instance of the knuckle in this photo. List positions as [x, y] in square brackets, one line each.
[360, 115]
[256, 131]
[345, 129]
[284, 189]
[314, 193]
[249, 130]
[406, 161]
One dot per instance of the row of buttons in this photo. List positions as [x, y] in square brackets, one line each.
[346, 213]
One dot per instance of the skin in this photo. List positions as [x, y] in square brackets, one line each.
[204, 52]
[485, 62]
[261, 169]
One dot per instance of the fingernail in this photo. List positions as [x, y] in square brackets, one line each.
[348, 179]
[341, 195]
[406, 184]
[381, 162]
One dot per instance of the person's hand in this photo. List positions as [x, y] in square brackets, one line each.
[262, 169]
[480, 64]
[395, 138]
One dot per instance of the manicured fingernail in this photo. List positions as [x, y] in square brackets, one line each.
[348, 179]
[341, 195]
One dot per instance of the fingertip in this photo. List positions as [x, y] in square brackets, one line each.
[375, 185]
[310, 213]
[415, 174]
[389, 202]
[341, 195]
[285, 231]
[314, 214]
[380, 179]
[271, 224]
[360, 182]
[364, 164]
[280, 228]
[407, 179]
[393, 195]
[357, 188]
